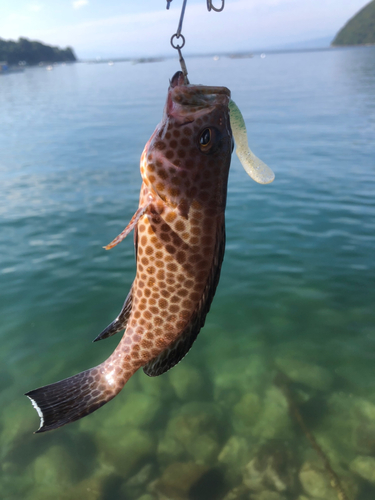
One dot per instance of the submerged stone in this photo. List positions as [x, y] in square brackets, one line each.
[274, 419]
[364, 467]
[237, 376]
[316, 482]
[132, 447]
[186, 381]
[267, 495]
[272, 469]
[194, 429]
[234, 455]
[351, 424]
[246, 413]
[313, 376]
[177, 480]
[54, 474]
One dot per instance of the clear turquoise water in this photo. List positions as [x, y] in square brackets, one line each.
[297, 281]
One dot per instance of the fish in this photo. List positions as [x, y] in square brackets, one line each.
[179, 238]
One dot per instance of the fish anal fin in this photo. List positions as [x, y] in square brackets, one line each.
[120, 322]
[180, 347]
[134, 221]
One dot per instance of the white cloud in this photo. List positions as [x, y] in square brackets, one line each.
[77, 4]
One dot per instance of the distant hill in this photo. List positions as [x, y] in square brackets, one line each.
[33, 52]
[360, 29]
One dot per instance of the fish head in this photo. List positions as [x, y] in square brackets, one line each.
[188, 156]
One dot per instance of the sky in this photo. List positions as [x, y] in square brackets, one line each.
[143, 28]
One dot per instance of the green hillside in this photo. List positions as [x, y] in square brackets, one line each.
[33, 52]
[360, 29]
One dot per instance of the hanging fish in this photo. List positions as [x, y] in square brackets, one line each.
[179, 240]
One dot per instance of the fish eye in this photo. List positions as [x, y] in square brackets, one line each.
[209, 140]
[205, 137]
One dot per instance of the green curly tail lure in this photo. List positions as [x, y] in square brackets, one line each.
[257, 170]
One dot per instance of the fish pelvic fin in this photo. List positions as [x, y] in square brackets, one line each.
[134, 221]
[120, 322]
[70, 399]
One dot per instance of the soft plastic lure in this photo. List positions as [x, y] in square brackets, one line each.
[257, 169]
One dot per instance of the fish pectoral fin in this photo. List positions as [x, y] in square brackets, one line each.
[120, 322]
[134, 221]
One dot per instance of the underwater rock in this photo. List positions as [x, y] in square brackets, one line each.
[351, 424]
[204, 450]
[234, 455]
[169, 449]
[53, 472]
[141, 477]
[177, 480]
[308, 374]
[274, 419]
[364, 467]
[238, 493]
[267, 495]
[237, 376]
[186, 381]
[195, 428]
[136, 484]
[132, 446]
[17, 426]
[88, 489]
[157, 387]
[139, 409]
[272, 469]
[316, 482]
[246, 413]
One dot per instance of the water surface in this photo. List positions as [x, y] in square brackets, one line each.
[296, 293]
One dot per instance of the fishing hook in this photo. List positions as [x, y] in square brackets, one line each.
[178, 34]
[211, 6]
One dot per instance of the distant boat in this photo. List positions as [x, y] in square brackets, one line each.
[241, 56]
[5, 68]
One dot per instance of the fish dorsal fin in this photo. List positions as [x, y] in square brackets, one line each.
[120, 322]
[253, 166]
[180, 347]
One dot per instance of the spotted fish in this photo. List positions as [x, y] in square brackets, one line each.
[179, 235]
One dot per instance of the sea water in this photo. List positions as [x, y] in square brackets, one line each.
[296, 295]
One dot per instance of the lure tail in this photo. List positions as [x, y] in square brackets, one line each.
[72, 398]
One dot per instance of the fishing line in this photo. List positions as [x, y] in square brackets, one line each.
[178, 34]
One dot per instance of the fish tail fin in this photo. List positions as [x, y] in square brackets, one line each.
[71, 399]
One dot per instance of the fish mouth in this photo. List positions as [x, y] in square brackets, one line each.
[177, 80]
[186, 101]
